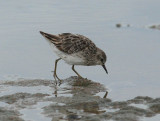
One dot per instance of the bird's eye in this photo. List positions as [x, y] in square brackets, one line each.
[101, 60]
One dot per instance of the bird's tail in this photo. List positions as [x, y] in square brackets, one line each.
[51, 38]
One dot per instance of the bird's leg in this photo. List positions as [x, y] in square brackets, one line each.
[76, 72]
[55, 69]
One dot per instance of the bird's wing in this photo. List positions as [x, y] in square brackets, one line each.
[51, 38]
[70, 43]
[73, 43]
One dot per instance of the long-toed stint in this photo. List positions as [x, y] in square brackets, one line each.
[75, 49]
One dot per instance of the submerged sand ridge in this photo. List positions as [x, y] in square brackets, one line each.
[75, 99]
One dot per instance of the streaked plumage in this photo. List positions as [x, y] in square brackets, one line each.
[76, 49]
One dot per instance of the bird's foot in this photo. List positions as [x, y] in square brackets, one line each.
[80, 77]
[57, 80]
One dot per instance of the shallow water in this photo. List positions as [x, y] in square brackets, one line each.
[81, 104]
[133, 52]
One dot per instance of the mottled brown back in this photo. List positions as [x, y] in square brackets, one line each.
[70, 43]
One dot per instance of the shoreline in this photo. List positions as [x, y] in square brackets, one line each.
[74, 99]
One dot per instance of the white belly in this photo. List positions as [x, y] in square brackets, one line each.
[72, 59]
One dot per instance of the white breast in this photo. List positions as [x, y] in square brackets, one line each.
[72, 59]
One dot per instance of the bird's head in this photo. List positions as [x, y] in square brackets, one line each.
[101, 59]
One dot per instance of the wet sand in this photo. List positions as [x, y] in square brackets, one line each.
[75, 99]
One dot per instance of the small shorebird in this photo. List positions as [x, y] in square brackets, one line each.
[75, 49]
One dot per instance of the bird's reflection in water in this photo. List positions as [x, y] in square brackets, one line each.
[105, 95]
[75, 86]
[76, 97]
[55, 91]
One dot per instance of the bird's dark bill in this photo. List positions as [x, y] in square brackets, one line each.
[105, 68]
